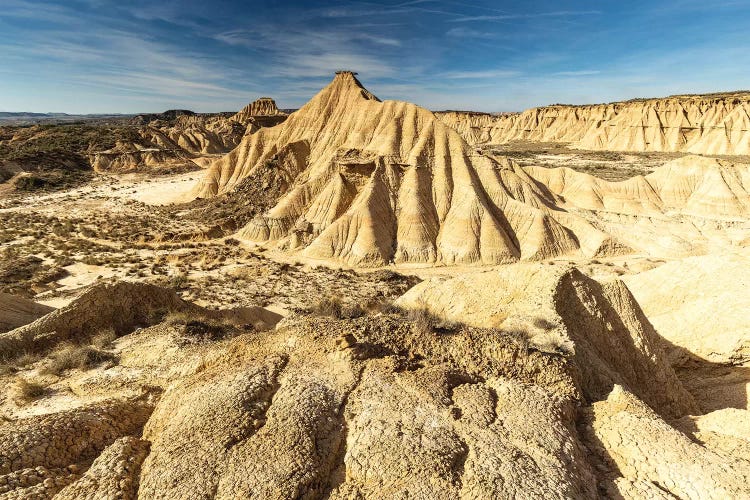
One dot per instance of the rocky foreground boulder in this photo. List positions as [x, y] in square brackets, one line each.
[558, 387]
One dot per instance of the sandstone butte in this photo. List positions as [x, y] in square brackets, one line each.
[369, 182]
[372, 182]
[708, 124]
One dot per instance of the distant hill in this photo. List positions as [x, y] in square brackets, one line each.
[28, 118]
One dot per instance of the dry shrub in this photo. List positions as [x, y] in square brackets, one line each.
[333, 306]
[69, 356]
[104, 338]
[6, 368]
[543, 324]
[329, 306]
[422, 320]
[27, 359]
[553, 342]
[198, 327]
[382, 305]
[178, 281]
[519, 336]
[28, 390]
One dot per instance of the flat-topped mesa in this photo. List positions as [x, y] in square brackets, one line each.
[263, 106]
[370, 182]
[702, 124]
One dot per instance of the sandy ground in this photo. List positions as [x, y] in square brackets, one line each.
[158, 191]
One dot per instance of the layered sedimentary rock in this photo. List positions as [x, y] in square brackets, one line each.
[372, 182]
[197, 134]
[181, 138]
[264, 106]
[691, 185]
[710, 124]
[612, 340]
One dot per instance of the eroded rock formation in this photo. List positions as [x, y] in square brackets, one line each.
[567, 396]
[372, 182]
[691, 185]
[710, 124]
[182, 138]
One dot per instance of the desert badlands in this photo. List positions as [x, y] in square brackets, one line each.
[367, 299]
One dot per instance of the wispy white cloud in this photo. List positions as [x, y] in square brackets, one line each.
[577, 73]
[481, 74]
[167, 11]
[300, 53]
[506, 17]
[37, 11]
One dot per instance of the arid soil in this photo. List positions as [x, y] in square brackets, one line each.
[356, 302]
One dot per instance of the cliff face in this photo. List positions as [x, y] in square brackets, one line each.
[695, 124]
[265, 106]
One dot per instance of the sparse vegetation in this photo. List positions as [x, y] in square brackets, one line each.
[553, 342]
[104, 338]
[71, 356]
[422, 320]
[329, 306]
[28, 390]
[198, 328]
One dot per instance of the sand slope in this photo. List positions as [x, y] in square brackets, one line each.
[17, 311]
[700, 304]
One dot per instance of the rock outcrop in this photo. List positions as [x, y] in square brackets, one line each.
[264, 106]
[560, 308]
[698, 305]
[41, 455]
[691, 185]
[372, 182]
[568, 395]
[182, 138]
[349, 409]
[17, 311]
[653, 458]
[710, 124]
[122, 306]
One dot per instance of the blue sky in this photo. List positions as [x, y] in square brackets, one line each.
[97, 56]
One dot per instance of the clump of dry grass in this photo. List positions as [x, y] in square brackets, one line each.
[6, 368]
[199, 328]
[382, 305]
[29, 390]
[332, 306]
[553, 342]
[70, 356]
[422, 320]
[104, 338]
[19, 362]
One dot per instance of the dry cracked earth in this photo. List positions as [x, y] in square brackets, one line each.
[398, 310]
